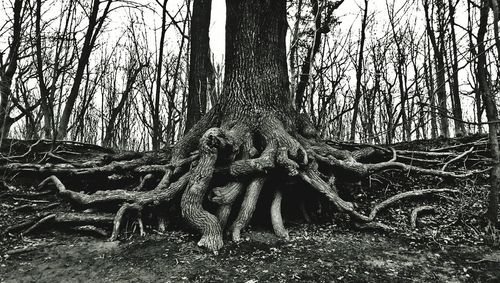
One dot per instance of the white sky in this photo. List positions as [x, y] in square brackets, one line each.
[217, 29]
[349, 11]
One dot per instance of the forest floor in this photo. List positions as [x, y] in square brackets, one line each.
[447, 246]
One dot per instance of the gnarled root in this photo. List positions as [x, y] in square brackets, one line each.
[212, 142]
[247, 208]
[276, 217]
[73, 219]
[225, 196]
[238, 157]
[192, 198]
[312, 178]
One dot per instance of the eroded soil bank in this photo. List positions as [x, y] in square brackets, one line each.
[448, 245]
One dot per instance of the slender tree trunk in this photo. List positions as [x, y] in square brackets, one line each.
[93, 29]
[156, 127]
[110, 128]
[400, 62]
[321, 26]
[404, 97]
[455, 92]
[292, 59]
[7, 72]
[359, 71]
[5, 119]
[438, 48]
[432, 96]
[308, 61]
[199, 62]
[473, 59]
[44, 91]
[176, 77]
[491, 113]
[496, 20]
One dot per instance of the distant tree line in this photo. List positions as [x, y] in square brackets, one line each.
[67, 72]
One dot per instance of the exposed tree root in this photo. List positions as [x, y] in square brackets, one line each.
[192, 198]
[29, 207]
[91, 229]
[416, 211]
[72, 219]
[225, 196]
[276, 217]
[220, 162]
[247, 208]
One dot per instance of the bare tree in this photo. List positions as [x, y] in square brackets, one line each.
[359, 71]
[321, 26]
[200, 64]
[8, 69]
[400, 69]
[133, 71]
[438, 47]
[496, 20]
[491, 114]
[156, 135]
[94, 27]
[454, 83]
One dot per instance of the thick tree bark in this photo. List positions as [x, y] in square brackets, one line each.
[256, 76]
[255, 100]
[199, 62]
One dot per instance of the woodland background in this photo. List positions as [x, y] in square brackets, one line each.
[116, 73]
[402, 94]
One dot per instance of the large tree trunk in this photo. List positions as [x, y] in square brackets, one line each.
[256, 76]
[255, 101]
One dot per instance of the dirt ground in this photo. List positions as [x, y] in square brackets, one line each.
[315, 253]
